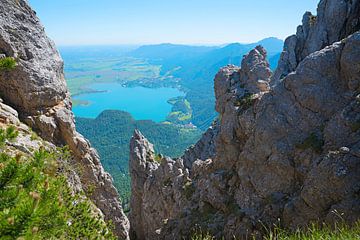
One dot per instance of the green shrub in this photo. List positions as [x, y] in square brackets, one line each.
[9, 134]
[189, 190]
[246, 101]
[355, 126]
[158, 158]
[200, 235]
[36, 202]
[7, 64]
[313, 142]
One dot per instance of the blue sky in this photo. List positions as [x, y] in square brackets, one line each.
[90, 22]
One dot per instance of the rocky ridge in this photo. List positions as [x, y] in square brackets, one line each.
[286, 155]
[37, 90]
[335, 21]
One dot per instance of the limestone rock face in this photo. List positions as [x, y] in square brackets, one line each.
[288, 154]
[157, 189]
[204, 149]
[36, 88]
[335, 20]
[38, 81]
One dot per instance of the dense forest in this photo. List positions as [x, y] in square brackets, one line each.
[110, 134]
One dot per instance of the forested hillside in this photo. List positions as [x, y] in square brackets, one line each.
[110, 134]
[196, 66]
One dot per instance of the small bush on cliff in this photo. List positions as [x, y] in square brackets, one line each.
[158, 158]
[312, 20]
[246, 101]
[36, 202]
[200, 235]
[8, 134]
[7, 64]
[355, 126]
[313, 142]
[189, 190]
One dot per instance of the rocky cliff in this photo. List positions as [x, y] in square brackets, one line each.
[335, 21]
[285, 149]
[37, 90]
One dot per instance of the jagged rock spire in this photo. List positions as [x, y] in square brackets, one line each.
[291, 154]
[335, 20]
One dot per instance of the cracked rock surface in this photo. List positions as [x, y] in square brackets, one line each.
[287, 152]
[37, 90]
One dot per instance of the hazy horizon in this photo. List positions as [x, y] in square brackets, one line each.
[161, 43]
[141, 22]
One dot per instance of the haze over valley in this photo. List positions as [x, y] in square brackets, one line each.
[169, 86]
[173, 120]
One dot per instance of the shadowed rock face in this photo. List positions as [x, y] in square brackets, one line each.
[36, 88]
[290, 153]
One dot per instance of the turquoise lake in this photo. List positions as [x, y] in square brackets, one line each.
[142, 103]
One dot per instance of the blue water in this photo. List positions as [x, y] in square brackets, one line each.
[142, 103]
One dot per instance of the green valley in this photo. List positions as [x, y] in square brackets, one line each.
[110, 134]
[188, 68]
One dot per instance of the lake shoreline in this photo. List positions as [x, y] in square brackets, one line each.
[142, 102]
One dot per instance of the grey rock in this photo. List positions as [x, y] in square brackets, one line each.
[38, 81]
[36, 88]
[204, 149]
[197, 183]
[279, 153]
[335, 20]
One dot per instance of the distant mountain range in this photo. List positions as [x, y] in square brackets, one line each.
[196, 67]
[177, 53]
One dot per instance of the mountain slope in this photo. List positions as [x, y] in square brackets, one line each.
[38, 199]
[287, 151]
[37, 90]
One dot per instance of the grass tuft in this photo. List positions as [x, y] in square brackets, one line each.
[339, 232]
[7, 64]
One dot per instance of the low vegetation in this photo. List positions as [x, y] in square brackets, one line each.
[313, 141]
[189, 190]
[8, 134]
[7, 64]
[355, 126]
[246, 101]
[36, 202]
[200, 235]
[339, 232]
[314, 232]
[181, 112]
